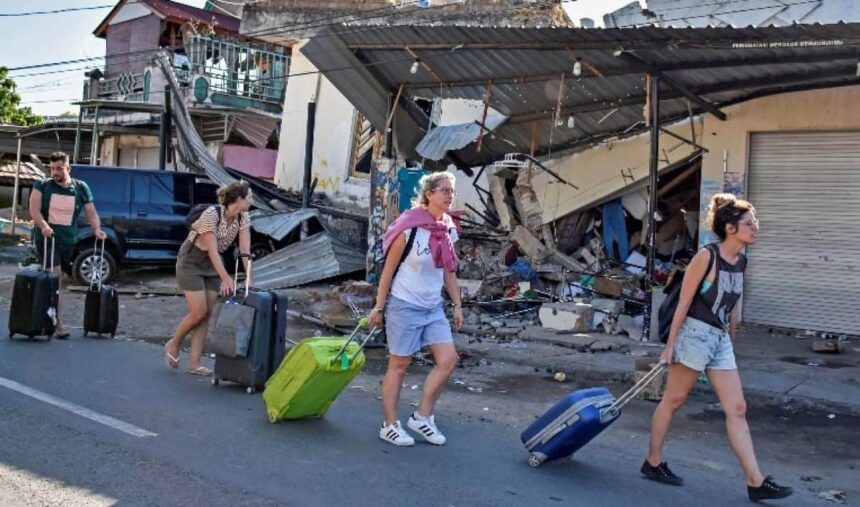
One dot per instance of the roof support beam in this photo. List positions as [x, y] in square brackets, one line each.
[811, 78]
[646, 66]
[853, 54]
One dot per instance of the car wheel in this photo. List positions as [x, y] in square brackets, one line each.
[88, 265]
[260, 250]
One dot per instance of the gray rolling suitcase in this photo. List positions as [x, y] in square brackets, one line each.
[267, 345]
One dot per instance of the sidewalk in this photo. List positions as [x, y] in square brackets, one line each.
[776, 369]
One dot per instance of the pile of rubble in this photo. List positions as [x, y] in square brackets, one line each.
[517, 272]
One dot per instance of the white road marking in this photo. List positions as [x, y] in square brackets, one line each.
[76, 409]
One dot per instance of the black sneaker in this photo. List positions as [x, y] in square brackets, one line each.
[769, 490]
[660, 473]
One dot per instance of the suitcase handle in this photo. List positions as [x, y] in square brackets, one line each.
[97, 274]
[236, 274]
[45, 253]
[361, 323]
[625, 398]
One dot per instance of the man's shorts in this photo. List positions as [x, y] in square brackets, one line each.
[64, 255]
[700, 346]
[410, 327]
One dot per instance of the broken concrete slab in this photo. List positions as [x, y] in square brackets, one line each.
[528, 207]
[500, 198]
[579, 342]
[610, 306]
[530, 245]
[567, 261]
[566, 316]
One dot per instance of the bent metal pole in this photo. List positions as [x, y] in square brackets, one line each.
[653, 161]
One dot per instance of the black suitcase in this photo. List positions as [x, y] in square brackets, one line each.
[267, 347]
[35, 295]
[101, 304]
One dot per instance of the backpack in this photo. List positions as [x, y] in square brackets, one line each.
[198, 210]
[379, 258]
[673, 294]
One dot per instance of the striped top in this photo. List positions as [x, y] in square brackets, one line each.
[227, 229]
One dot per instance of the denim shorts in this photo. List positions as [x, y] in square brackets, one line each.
[409, 327]
[700, 346]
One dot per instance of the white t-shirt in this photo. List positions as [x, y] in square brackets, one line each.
[419, 281]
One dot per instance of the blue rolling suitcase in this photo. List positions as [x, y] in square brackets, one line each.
[575, 420]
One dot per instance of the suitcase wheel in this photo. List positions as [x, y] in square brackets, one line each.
[216, 381]
[86, 332]
[273, 417]
[535, 460]
[249, 390]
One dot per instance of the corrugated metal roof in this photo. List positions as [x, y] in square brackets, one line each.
[278, 224]
[453, 137]
[29, 172]
[316, 258]
[720, 64]
[696, 13]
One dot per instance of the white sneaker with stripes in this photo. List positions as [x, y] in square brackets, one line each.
[395, 434]
[426, 427]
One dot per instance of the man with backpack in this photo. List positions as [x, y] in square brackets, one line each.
[55, 205]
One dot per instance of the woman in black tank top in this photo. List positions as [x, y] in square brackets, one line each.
[700, 339]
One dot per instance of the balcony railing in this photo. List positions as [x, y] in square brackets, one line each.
[239, 69]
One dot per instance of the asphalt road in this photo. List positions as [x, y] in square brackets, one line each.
[104, 422]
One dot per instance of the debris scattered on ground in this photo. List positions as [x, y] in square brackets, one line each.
[831, 416]
[829, 346]
[810, 478]
[833, 495]
[560, 377]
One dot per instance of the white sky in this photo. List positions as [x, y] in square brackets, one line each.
[594, 9]
[32, 40]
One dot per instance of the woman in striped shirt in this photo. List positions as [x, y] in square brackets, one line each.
[200, 270]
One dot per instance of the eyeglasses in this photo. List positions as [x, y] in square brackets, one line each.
[446, 191]
[754, 223]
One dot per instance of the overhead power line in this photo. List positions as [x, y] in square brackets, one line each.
[57, 11]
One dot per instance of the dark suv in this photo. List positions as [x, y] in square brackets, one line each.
[143, 214]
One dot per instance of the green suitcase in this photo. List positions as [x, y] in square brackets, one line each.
[314, 372]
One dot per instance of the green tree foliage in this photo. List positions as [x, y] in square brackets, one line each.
[10, 110]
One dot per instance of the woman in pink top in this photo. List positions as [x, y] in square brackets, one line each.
[419, 262]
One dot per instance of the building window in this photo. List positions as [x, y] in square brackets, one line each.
[365, 147]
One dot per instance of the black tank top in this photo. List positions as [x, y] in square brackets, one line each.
[714, 305]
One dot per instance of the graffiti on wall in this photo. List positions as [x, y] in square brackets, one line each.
[383, 211]
[329, 183]
[733, 183]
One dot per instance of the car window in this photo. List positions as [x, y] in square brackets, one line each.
[182, 189]
[108, 187]
[163, 196]
[141, 189]
[205, 193]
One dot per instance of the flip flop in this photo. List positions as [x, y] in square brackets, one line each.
[171, 360]
[201, 370]
[62, 336]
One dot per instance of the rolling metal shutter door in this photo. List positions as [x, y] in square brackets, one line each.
[802, 271]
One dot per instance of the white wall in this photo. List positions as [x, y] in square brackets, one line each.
[332, 138]
[130, 11]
